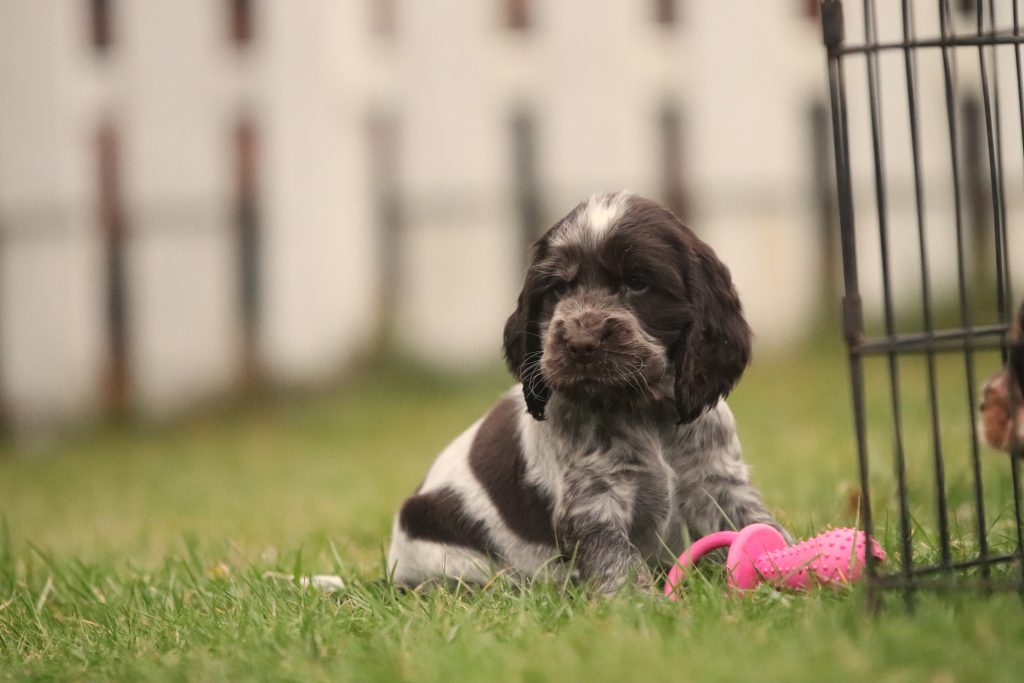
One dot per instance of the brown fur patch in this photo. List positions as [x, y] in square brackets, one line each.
[439, 516]
[496, 460]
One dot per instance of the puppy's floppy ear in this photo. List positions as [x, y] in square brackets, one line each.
[714, 349]
[522, 340]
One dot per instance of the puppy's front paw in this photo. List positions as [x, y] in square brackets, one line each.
[612, 581]
[644, 579]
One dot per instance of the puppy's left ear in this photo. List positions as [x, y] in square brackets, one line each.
[522, 342]
[714, 350]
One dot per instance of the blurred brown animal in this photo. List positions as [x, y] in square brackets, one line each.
[1001, 417]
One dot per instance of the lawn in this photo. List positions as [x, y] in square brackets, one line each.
[140, 552]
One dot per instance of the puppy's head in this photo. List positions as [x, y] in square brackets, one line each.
[621, 300]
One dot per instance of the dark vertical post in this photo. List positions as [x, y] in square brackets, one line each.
[383, 17]
[383, 134]
[101, 23]
[979, 214]
[665, 12]
[966, 7]
[673, 184]
[527, 186]
[823, 188]
[112, 225]
[517, 14]
[248, 239]
[241, 22]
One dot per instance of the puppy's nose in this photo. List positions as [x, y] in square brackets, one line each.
[581, 345]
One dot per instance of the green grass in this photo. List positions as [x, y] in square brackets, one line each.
[140, 552]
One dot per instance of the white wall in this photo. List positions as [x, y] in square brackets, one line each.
[51, 335]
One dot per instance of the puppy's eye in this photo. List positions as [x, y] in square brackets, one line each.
[636, 284]
[560, 288]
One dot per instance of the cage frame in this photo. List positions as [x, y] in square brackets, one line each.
[947, 573]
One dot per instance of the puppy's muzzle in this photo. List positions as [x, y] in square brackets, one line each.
[584, 335]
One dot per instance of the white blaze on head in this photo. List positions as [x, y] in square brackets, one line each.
[592, 221]
[603, 210]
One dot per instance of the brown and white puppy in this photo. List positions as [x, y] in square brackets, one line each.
[1001, 420]
[627, 335]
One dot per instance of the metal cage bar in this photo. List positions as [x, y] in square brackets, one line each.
[875, 106]
[948, 66]
[910, 71]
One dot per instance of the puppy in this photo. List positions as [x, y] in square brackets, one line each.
[1001, 420]
[627, 335]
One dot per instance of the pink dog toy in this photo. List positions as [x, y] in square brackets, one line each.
[759, 552]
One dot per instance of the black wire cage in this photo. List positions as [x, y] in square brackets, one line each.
[928, 129]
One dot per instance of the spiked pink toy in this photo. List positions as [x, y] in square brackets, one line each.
[759, 553]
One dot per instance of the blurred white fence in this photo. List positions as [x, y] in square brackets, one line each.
[196, 192]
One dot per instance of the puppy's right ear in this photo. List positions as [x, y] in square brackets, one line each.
[522, 342]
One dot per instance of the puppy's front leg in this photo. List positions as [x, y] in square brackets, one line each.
[592, 525]
[722, 502]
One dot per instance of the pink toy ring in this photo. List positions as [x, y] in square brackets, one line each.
[759, 552]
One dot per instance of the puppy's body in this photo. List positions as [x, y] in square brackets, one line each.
[627, 335]
[630, 485]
